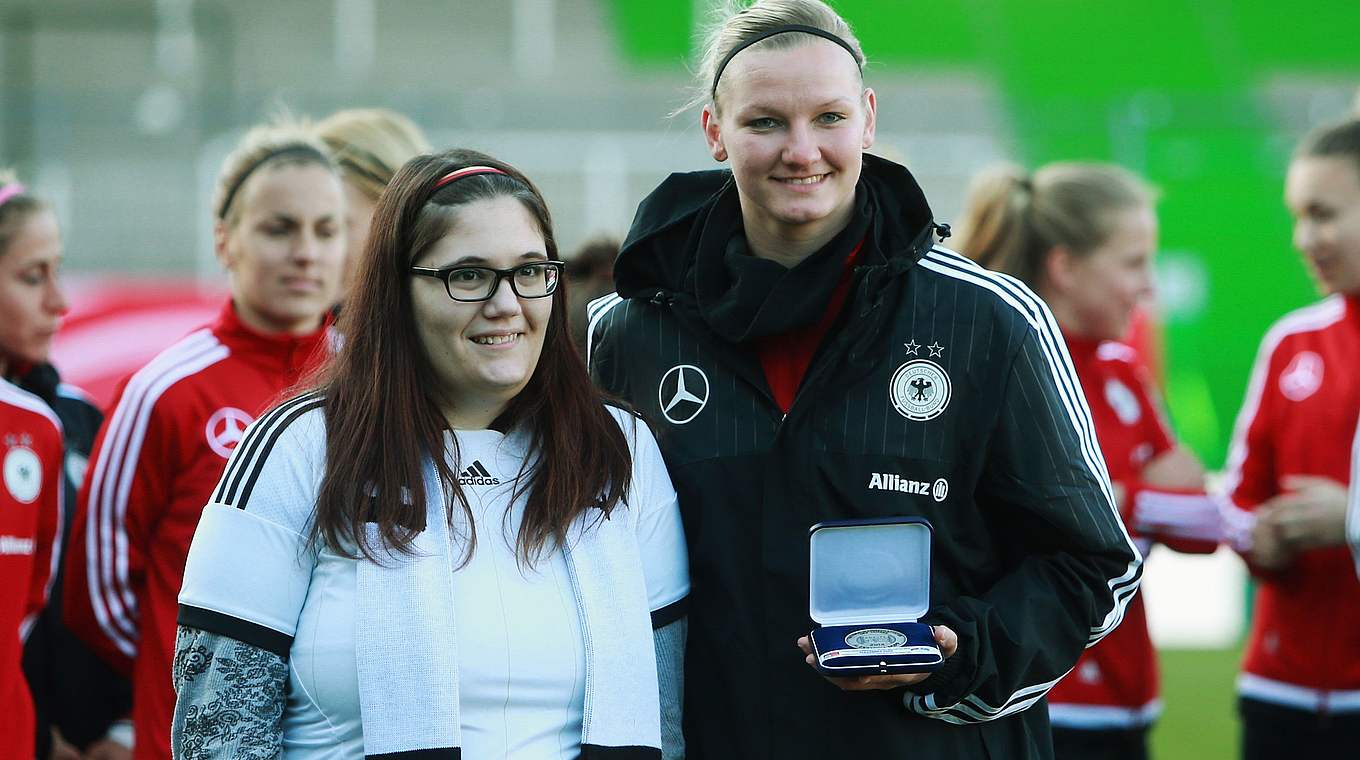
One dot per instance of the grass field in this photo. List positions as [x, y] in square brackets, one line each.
[1200, 720]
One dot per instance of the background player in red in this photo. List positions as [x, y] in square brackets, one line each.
[76, 697]
[369, 145]
[30, 516]
[1083, 236]
[280, 235]
[1289, 468]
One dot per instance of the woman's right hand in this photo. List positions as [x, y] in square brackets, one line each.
[944, 636]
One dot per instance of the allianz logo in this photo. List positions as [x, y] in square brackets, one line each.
[888, 481]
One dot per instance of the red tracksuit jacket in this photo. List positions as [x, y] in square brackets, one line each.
[31, 455]
[155, 462]
[1115, 683]
[1299, 419]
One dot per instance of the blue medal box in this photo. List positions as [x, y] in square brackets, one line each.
[870, 584]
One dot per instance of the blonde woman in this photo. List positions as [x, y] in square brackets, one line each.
[1084, 236]
[796, 334]
[279, 233]
[511, 582]
[369, 145]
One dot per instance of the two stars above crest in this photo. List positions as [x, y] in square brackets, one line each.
[934, 348]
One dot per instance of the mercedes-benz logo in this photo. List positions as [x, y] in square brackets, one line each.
[683, 393]
[225, 428]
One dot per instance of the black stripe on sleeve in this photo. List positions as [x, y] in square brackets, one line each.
[245, 449]
[670, 613]
[441, 753]
[597, 752]
[244, 631]
[260, 435]
[270, 438]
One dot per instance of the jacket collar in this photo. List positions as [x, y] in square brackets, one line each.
[290, 355]
[41, 380]
[660, 249]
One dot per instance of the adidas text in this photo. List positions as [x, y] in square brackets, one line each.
[476, 474]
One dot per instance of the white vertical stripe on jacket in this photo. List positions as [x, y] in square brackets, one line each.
[112, 597]
[1123, 587]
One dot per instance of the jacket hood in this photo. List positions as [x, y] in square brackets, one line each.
[663, 241]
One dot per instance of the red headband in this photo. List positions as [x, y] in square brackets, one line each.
[468, 171]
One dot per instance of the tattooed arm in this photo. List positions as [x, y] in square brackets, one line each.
[230, 698]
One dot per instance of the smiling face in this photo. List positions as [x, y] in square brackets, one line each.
[285, 252]
[1095, 294]
[483, 353]
[794, 123]
[31, 301]
[1323, 195]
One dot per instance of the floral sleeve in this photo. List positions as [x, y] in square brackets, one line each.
[230, 698]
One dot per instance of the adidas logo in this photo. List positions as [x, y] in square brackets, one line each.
[476, 475]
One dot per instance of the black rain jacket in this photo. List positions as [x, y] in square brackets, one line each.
[937, 372]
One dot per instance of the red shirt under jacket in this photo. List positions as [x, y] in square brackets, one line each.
[785, 358]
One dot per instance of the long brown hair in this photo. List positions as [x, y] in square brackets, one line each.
[382, 419]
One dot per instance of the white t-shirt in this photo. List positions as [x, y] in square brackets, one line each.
[520, 655]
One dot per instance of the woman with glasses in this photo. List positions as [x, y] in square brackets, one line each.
[451, 544]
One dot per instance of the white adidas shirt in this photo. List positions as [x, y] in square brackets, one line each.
[520, 657]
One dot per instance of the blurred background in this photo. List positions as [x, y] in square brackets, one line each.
[121, 111]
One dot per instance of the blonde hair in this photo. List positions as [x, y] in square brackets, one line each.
[370, 144]
[736, 21]
[15, 211]
[1012, 220]
[280, 143]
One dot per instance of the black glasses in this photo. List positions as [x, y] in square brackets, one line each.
[536, 279]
